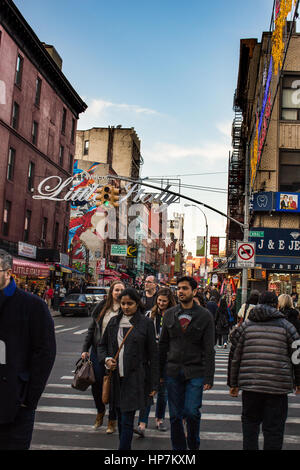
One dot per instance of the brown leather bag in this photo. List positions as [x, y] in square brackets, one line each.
[84, 375]
[107, 378]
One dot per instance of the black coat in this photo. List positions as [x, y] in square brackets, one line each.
[27, 351]
[192, 351]
[141, 371]
[222, 321]
[93, 335]
[260, 358]
[292, 315]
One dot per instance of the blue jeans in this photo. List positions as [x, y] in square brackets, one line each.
[161, 404]
[99, 371]
[185, 401]
[125, 425]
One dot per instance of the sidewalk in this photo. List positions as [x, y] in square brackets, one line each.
[54, 313]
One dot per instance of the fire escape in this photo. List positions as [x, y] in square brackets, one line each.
[236, 181]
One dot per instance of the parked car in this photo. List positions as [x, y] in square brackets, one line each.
[75, 304]
[95, 294]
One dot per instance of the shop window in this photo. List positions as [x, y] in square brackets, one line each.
[289, 171]
[290, 101]
[11, 164]
[19, 70]
[6, 218]
[15, 115]
[30, 177]
[38, 87]
[27, 225]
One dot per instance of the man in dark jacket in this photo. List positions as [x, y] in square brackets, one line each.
[187, 346]
[27, 354]
[261, 363]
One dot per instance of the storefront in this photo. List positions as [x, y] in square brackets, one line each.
[31, 275]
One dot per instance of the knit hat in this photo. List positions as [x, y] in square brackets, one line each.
[269, 298]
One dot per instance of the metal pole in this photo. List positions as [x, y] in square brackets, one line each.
[246, 225]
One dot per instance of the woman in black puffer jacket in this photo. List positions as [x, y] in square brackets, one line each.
[285, 305]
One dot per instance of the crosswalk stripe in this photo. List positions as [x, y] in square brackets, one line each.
[66, 329]
[211, 436]
[80, 331]
[204, 417]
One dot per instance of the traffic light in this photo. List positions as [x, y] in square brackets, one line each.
[114, 197]
[107, 195]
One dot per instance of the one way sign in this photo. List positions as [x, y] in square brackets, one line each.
[245, 254]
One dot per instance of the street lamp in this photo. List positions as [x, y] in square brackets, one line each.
[206, 236]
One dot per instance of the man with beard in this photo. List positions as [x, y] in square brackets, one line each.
[187, 346]
[27, 353]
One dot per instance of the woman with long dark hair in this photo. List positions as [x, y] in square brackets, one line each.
[164, 300]
[136, 373]
[101, 315]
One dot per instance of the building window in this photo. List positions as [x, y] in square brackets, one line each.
[11, 164]
[30, 178]
[34, 132]
[56, 231]
[27, 226]
[15, 115]
[38, 87]
[61, 155]
[86, 147]
[71, 164]
[63, 121]
[44, 231]
[73, 130]
[6, 218]
[19, 70]
[289, 171]
[290, 106]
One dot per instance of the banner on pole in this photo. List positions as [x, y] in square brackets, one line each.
[200, 246]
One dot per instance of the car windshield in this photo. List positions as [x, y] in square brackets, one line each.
[95, 290]
[75, 297]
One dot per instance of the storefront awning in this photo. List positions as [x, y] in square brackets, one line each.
[30, 268]
[277, 263]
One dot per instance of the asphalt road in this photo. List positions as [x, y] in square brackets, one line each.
[65, 417]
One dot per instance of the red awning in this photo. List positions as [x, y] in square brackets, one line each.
[23, 267]
[124, 276]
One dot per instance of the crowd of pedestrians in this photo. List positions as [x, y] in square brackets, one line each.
[166, 347]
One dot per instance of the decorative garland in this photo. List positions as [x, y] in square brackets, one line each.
[277, 36]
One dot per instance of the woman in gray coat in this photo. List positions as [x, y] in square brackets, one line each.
[136, 373]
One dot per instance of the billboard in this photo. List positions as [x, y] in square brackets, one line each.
[214, 246]
[287, 202]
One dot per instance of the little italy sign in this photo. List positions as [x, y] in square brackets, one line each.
[54, 188]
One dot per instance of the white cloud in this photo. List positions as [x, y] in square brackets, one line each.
[99, 111]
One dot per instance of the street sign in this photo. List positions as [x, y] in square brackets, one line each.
[118, 250]
[245, 254]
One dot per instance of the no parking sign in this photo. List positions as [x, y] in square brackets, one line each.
[245, 254]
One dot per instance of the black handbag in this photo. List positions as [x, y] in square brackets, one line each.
[84, 375]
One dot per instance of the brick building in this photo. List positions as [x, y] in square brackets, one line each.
[39, 110]
[266, 130]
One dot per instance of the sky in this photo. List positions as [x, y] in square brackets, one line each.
[167, 68]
